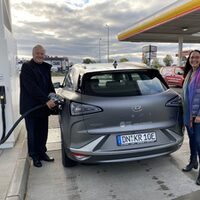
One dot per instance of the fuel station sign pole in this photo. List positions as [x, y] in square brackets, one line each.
[149, 52]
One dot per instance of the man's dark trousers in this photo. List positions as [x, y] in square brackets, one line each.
[37, 130]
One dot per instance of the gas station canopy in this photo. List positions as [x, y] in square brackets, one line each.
[179, 22]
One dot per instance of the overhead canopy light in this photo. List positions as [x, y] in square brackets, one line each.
[184, 29]
[196, 34]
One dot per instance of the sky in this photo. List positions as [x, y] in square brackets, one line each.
[78, 29]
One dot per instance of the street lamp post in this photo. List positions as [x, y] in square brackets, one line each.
[108, 41]
[100, 50]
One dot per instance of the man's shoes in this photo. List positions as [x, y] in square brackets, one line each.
[45, 157]
[36, 162]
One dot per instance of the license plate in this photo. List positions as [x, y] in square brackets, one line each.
[136, 138]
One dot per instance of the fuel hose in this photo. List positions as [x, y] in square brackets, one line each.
[58, 100]
[6, 136]
[3, 121]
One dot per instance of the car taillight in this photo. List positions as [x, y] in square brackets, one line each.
[176, 101]
[79, 156]
[83, 109]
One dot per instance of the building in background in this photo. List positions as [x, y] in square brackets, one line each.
[58, 63]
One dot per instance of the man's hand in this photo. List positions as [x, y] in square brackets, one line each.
[50, 104]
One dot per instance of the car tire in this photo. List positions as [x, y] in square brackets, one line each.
[67, 162]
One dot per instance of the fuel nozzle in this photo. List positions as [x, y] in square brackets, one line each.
[57, 99]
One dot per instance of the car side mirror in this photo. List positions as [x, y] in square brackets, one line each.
[57, 85]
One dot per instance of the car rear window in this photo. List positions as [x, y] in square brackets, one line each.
[116, 84]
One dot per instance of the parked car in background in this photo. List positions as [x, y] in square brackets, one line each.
[116, 113]
[54, 68]
[173, 75]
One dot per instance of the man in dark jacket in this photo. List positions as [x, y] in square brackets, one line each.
[35, 86]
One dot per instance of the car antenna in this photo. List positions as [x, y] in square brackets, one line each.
[115, 64]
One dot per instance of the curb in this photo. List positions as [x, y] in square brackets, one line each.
[18, 184]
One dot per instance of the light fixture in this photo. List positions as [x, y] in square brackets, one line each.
[184, 29]
[108, 28]
[196, 34]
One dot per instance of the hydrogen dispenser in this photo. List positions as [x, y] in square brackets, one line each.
[9, 77]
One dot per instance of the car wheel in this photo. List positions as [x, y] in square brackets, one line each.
[67, 162]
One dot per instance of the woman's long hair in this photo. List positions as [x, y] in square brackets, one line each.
[188, 67]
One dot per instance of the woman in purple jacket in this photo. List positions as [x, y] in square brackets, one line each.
[191, 105]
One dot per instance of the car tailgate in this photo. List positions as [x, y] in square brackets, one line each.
[131, 113]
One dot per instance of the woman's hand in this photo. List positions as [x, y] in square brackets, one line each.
[197, 119]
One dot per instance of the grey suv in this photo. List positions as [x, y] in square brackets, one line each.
[118, 112]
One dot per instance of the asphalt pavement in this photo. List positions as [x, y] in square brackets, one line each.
[157, 179]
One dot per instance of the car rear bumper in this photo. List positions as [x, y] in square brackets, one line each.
[87, 155]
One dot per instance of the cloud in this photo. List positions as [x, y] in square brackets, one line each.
[74, 28]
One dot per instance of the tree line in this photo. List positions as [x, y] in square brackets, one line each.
[88, 60]
[167, 60]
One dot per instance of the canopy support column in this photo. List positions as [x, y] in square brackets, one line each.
[180, 49]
